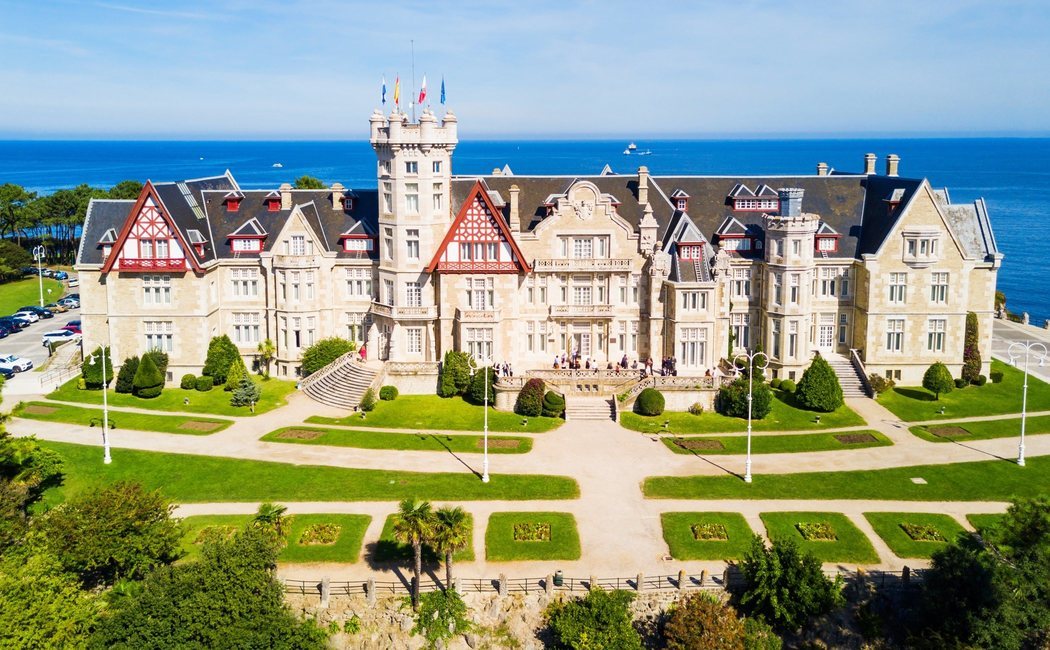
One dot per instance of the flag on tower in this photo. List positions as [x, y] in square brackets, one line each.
[442, 90]
[423, 90]
[384, 91]
[397, 90]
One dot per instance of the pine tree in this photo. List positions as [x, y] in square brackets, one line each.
[235, 374]
[971, 350]
[819, 389]
[126, 375]
[246, 393]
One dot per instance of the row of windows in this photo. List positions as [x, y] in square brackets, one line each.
[898, 288]
[935, 329]
[437, 197]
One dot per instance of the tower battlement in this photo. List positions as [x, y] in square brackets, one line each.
[395, 130]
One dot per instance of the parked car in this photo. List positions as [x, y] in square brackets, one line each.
[39, 311]
[75, 322]
[74, 282]
[7, 373]
[27, 315]
[69, 303]
[13, 323]
[60, 275]
[5, 331]
[46, 273]
[56, 307]
[15, 363]
[59, 336]
[73, 328]
[28, 270]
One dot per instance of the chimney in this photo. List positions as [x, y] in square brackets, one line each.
[869, 163]
[338, 192]
[643, 184]
[790, 201]
[286, 196]
[513, 215]
[822, 169]
[496, 171]
[892, 162]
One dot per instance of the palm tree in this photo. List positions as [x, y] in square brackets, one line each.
[451, 534]
[414, 524]
[271, 515]
[267, 353]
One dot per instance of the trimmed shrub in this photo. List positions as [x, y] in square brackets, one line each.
[324, 352]
[702, 622]
[696, 408]
[160, 359]
[368, 401]
[650, 402]
[787, 386]
[760, 636]
[960, 383]
[388, 393]
[553, 404]
[880, 384]
[221, 353]
[775, 383]
[476, 391]
[204, 383]
[235, 374]
[246, 393]
[530, 399]
[996, 376]
[981, 380]
[126, 375]
[188, 382]
[971, 350]
[92, 373]
[819, 389]
[938, 379]
[732, 399]
[148, 382]
[454, 377]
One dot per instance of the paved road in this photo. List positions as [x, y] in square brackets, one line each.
[27, 343]
[1005, 333]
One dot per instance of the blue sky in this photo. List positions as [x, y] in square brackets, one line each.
[297, 69]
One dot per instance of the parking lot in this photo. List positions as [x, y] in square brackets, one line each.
[27, 344]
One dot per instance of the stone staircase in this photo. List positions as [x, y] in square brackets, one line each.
[852, 385]
[589, 408]
[342, 383]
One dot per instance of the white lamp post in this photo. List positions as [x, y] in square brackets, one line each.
[485, 458]
[759, 360]
[101, 357]
[38, 253]
[1039, 351]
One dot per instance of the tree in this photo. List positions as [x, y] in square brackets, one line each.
[732, 399]
[702, 622]
[126, 375]
[229, 598]
[601, 619]
[971, 350]
[305, 182]
[272, 516]
[785, 585]
[14, 200]
[481, 382]
[324, 352]
[127, 190]
[118, 531]
[267, 352]
[221, 353]
[414, 525]
[454, 376]
[938, 379]
[451, 534]
[819, 389]
[42, 606]
[148, 382]
[91, 368]
[530, 398]
[234, 374]
[368, 400]
[26, 470]
[441, 616]
[160, 359]
[12, 258]
[246, 393]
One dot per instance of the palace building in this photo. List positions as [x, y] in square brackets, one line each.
[873, 268]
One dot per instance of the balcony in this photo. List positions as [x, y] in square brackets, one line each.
[589, 264]
[478, 315]
[152, 264]
[404, 313]
[297, 261]
[582, 311]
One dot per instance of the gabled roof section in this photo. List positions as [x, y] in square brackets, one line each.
[103, 216]
[607, 171]
[108, 237]
[149, 191]
[825, 229]
[683, 230]
[480, 192]
[740, 190]
[679, 193]
[766, 192]
[731, 227]
[234, 194]
[250, 228]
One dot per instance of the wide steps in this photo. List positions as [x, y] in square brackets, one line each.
[588, 408]
[341, 385]
[851, 383]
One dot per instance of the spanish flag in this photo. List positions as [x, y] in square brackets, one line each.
[397, 91]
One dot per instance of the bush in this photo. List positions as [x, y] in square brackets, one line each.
[960, 383]
[368, 401]
[759, 636]
[971, 350]
[204, 383]
[476, 392]
[650, 402]
[696, 408]
[160, 359]
[441, 616]
[126, 375]
[92, 372]
[324, 352]
[553, 405]
[454, 376]
[388, 393]
[148, 382]
[732, 399]
[880, 384]
[996, 376]
[235, 374]
[787, 386]
[701, 622]
[188, 382]
[938, 380]
[775, 384]
[981, 380]
[601, 619]
[530, 399]
[221, 353]
[246, 393]
[819, 389]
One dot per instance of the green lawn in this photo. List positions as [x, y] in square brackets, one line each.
[433, 412]
[563, 543]
[772, 444]
[55, 412]
[387, 549]
[850, 544]
[784, 416]
[989, 480]
[888, 526]
[23, 293]
[1000, 428]
[214, 402]
[346, 548]
[399, 441]
[913, 404]
[984, 522]
[188, 478]
[684, 545]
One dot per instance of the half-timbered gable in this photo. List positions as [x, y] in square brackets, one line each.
[149, 241]
[478, 240]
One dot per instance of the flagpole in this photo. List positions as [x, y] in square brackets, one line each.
[413, 42]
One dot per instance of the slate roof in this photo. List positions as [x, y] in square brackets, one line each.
[103, 215]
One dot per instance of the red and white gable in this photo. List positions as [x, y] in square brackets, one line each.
[478, 241]
[149, 240]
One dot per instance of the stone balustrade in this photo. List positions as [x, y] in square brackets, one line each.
[589, 264]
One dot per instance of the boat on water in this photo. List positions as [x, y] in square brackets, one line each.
[278, 165]
[630, 149]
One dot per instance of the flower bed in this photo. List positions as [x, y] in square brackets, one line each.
[816, 531]
[701, 445]
[326, 533]
[922, 532]
[709, 532]
[209, 533]
[525, 531]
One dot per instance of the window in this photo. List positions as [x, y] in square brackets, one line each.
[411, 167]
[845, 282]
[414, 340]
[412, 243]
[536, 336]
[756, 204]
[436, 167]
[827, 244]
[690, 300]
[793, 288]
[297, 245]
[603, 246]
[311, 330]
[894, 334]
[355, 244]
[388, 292]
[439, 196]
[388, 198]
[245, 245]
[898, 287]
[356, 326]
[479, 342]
[796, 247]
[582, 248]
[412, 197]
[245, 282]
[156, 289]
[828, 278]
[736, 243]
[792, 338]
[159, 335]
[741, 328]
[681, 204]
[309, 277]
[843, 322]
[742, 283]
[935, 334]
[388, 243]
[920, 248]
[635, 279]
[413, 294]
[778, 289]
[246, 328]
[776, 339]
[939, 288]
[359, 283]
[581, 295]
[692, 346]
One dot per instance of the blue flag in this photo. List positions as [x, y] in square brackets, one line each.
[442, 90]
[384, 90]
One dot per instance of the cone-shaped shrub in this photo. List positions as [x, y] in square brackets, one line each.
[530, 399]
[553, 405]
[148, 381]
[476, 392]
[819, 389]
[246, 393]
[971, 350]
[126, 375]
[235, 374]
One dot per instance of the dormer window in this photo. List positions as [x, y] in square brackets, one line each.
[681, 200]
[756, 205]
[736, 243]
[348, 203]
[690, 251]
[681, 204]
[273, 205]
[358, 244]
[921, 248]
[233, 203]
[246, 245]
[827, 244]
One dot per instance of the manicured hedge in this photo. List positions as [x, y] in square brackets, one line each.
[553, 405]
[650, 402]
[530, 399]
[819, 389]
[388, 393]
[204, 383]
[188, 382]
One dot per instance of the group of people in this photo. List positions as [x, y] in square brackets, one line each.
[668, 366]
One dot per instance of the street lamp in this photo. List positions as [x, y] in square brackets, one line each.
[485, 459]
[101, 357]
[1015, 350]
[754, 359]
[38, 253]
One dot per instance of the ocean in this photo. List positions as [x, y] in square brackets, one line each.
[1012, 174]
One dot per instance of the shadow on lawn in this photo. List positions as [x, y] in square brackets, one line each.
[915, 394]
[711, 462]
[456, 456]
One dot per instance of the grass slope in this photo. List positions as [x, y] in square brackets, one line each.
[118, 419]
[347, 547]
[990, 480]
[402, 441]
[500, 545]
[387, 549]
[433, 412]
[188, 478]
[888, 526]
[684, 546]
[851, 546]
[215, 402]
[775, 444]
[1000, 428]
[24, 293]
